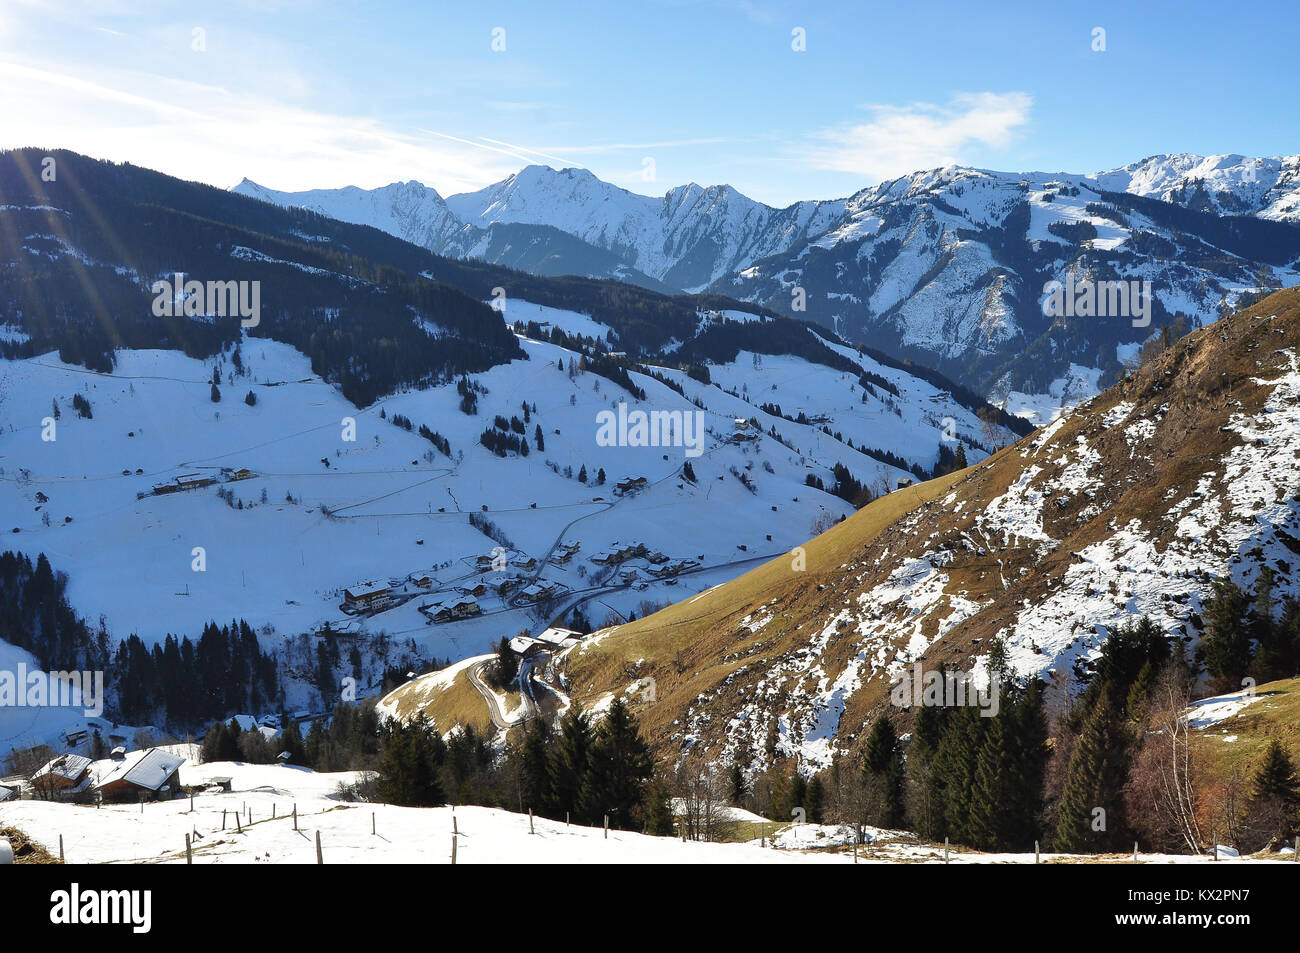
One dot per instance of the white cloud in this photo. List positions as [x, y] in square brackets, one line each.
[218, 136]
[902, 139]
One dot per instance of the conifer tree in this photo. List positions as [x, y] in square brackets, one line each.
[1227, 637]
[659, 810]
[737, 786]
[506, 667]
[568, 761]
[1007, 791]
[1275, 795]
[926, 791]
[535, 779]
[408, 769]
[619, 764]
[816, 800]
[883, 773]
[1095, 779]
[955, 766]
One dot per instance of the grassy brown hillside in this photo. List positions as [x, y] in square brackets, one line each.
[1185, 470]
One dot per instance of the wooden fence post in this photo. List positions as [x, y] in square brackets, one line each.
[189, 854]
[319, 858]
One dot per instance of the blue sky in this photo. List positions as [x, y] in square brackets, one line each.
[646, 93]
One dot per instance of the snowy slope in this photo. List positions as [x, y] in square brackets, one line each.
[408, 835]
[390, 507]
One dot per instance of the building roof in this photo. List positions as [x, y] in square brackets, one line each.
[556, 635]
[67, 766]
[362, 589]
[145, 769]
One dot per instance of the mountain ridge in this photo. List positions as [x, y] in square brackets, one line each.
[942, 266]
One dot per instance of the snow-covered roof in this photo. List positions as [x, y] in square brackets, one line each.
[69, 766]
[556, 635]
[362, 589]
[145, 769]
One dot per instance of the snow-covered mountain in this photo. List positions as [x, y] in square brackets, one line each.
[952, 268]
[946, 267]
[409, 210]
[683, 241]
[687, 239]
[1227, 184]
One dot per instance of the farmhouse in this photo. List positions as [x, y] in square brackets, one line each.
[465, 607]
[460, 607]
[630, 485]
[365, 595]
[620, 552]
[558, 638]
[526, 646]
[193, 481]
[565, 552]
[537, 591]
[152, 773]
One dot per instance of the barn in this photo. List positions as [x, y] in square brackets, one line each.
[62, 774]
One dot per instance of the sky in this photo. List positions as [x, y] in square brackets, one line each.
[784, 101]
